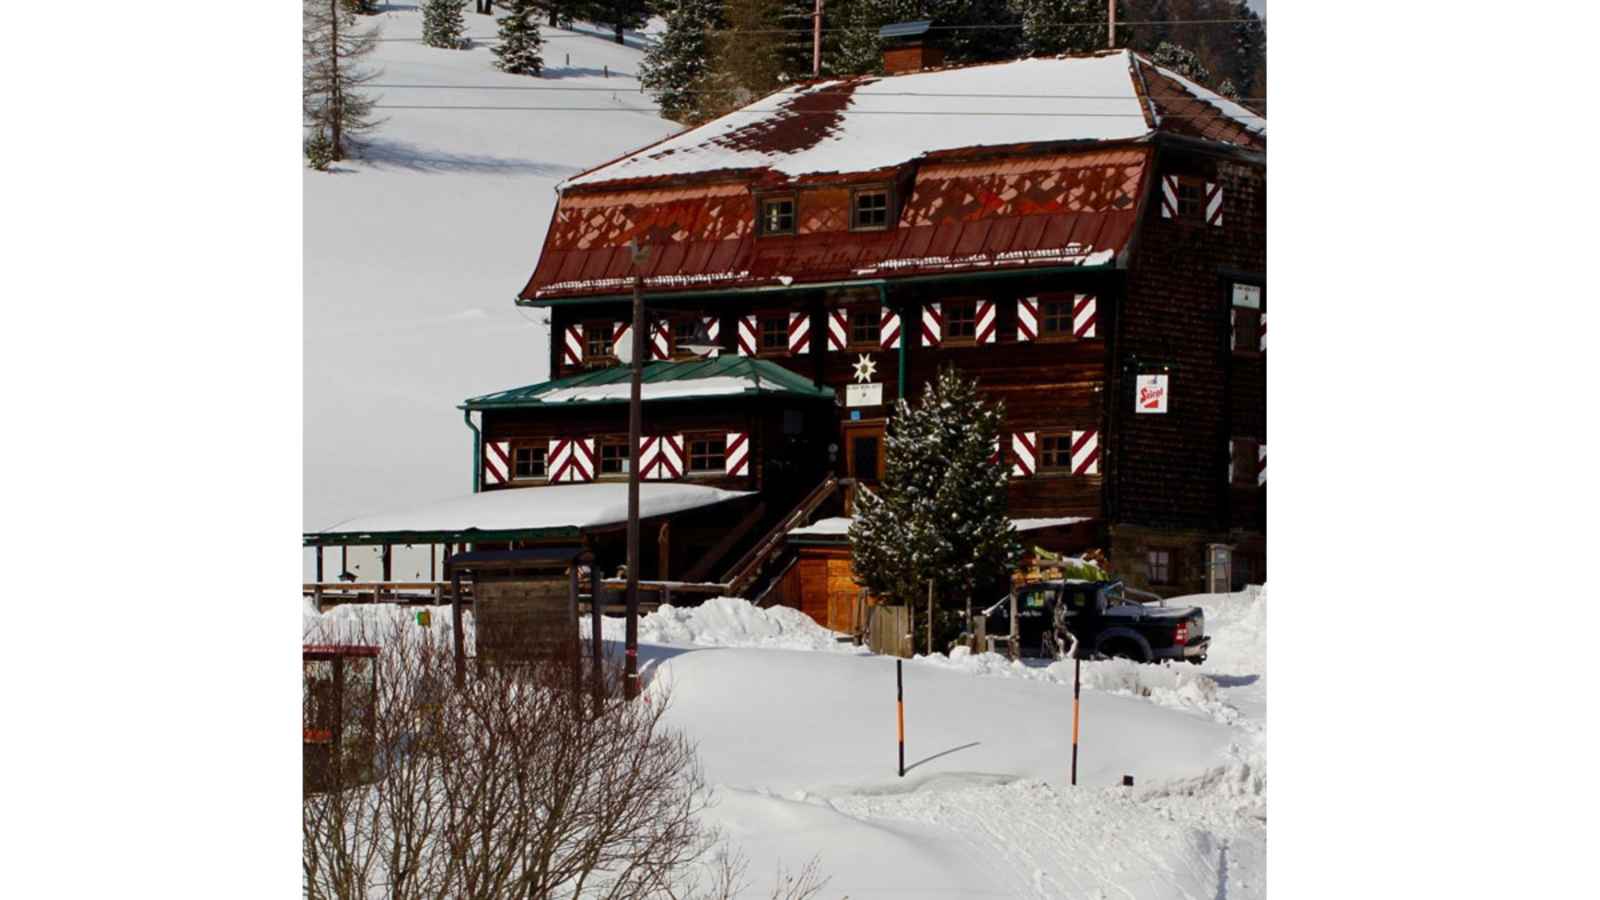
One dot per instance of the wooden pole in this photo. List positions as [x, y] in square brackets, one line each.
[386, 566]
[664, 550]
[930, 616]
[1111, 27]
[816, 41]
[319, 564]
[900, 713]
[433, 562]
[596, 648]
[635, 428]
[1015, 637]
[459, 637]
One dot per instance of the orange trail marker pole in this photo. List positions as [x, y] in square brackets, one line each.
[1076, 664]
[900, 713]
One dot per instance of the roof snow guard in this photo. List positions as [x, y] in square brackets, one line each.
[1032, 163]
[724, 376]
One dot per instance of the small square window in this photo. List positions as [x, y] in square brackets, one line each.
[1055, 317]
[614, 457]
[1055, 452]
[682, 330]
[960, 321]
[777, 216]
[596, 341]
[527, 462]
[864, 326]
[1191, 199]
[707, 454]
[774, 333]
[871, 209]
[1159, 566]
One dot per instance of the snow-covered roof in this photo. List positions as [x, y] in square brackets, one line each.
[839, 525]
[864, 124]
[553, 508]
[721, 376]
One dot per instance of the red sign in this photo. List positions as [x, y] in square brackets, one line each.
[1150, 394]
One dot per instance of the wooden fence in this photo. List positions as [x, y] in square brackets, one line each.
[889, 630]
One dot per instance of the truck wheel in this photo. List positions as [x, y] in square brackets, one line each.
[1124, 649]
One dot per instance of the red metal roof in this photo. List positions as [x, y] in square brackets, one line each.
[1013, 211]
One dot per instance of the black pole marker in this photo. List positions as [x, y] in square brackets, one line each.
[900, 713]
[1076, 665]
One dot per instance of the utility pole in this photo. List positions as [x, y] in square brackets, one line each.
[1111, 18]
[630, 686]
[930, 616]
[816, 41]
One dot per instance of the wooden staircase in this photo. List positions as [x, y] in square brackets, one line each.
[747, 572]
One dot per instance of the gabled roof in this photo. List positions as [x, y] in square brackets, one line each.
[869, 123]
[722, 376]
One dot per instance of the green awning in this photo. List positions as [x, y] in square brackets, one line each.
[723, 376]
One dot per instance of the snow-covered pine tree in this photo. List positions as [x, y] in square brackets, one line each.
[940, 512]
[1182, 60]
[520, 42]
[860, 50]
[331, 73]
[562, 12]
[444, 24]
[1065, 26]
[675, 70]
[621, 15]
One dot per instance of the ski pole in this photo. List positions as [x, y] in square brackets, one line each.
[900, 713]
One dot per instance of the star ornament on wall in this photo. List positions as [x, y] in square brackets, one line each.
[865, 369]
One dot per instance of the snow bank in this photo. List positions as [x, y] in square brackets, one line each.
[730, 622]
[377, 623]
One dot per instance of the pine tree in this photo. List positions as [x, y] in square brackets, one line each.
[520, 42]
[1182, 60]
[562, 12]
[331, 73]
[621, 15]
[676, 70]
[444, 24]
[860, 49]
[940, 512]
[1065, 26]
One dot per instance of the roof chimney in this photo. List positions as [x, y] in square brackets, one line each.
[908, 47]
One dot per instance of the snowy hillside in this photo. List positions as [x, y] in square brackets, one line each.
[413, 256]
[796, 733]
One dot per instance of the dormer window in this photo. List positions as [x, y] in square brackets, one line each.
[777, 215]
[870, 210]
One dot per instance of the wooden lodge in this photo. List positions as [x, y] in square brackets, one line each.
[1085, 234]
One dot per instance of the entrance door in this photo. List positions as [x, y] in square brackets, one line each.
[863, 444]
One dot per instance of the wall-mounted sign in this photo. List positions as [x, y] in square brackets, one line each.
[863, 394]
[1150, 394]
[1247, 295]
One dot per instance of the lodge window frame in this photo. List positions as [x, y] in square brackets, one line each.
[765, 317]
[604, 441]
[607, 329]
[765, 200]
[1064, 335]
[1252, 348]
[1191, 197]
[541, 446]
[872, 190]
[1061, 453]
[948, 308]
[1246, 450]
[874, 314]
[690, 439]
[1158, 566]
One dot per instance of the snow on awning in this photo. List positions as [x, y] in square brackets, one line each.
[564, 510]
[838, 526]
[722, 376]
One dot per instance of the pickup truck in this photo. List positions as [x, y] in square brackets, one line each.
[1106, 619]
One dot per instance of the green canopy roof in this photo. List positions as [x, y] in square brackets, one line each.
[723, 376]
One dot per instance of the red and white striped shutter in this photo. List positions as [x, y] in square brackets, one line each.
[558, 460]
[661, 457]
[1263, 332]
[932, 325]
[747, 335]
[799, 332]
[713, 333]
[985, 329]
[1028, 319]
[661, 340]
[672, 457]
[1213, 204]
[572, 346]
[1024, 452]
[1230, 460]
[1261, 465]
[497, 462]
[1169, 196]
[1084, 317]
[736, 454]
[838, 328]
[583, 459]
[1086, 453]
[649, 455]
[889, 329]
[570, 459]
[622, 340]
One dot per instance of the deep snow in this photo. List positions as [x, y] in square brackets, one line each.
[796, 733]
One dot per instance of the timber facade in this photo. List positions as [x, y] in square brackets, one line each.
[1068, 274]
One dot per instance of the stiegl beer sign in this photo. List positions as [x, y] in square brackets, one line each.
[1150, 394]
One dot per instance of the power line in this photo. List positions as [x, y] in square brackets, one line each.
[1063, 26]
[805, 112]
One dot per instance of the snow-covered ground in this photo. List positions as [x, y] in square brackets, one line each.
[796, 731]
[413, 256]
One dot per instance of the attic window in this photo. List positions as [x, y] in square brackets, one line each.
[871, 210]
[777, 216]
[528, 461]
[1191, 199]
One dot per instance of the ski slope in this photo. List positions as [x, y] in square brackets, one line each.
[796, 733]
[414, 253]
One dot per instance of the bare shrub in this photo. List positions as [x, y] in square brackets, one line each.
[525, 782]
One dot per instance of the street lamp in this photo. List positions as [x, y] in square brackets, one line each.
[630, 687]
